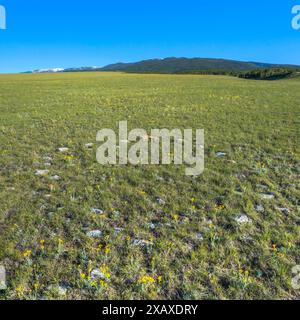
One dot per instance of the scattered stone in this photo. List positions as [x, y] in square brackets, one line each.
[55, 178]
[238, 192]
[160, 201]
[247, 237]
[259, 208]
[89, 145]
[63, 149]
[283, 210]
[48, 159]
[97, 211]
[96, 274]
[60, 290]
[2, 278]
[242, 219]
[221, 154]
[141, 243]
[267, 196]
[199, 236]
[152, 226]
[118, 230]
[115, 215]
[240, 176]
[183, 219]
[94, 234]
[41, 172]
[262, 186]
[48, 164]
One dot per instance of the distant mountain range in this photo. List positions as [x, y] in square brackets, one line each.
[177, 65]
[56, 70]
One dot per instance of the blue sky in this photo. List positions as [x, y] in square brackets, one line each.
[48, 34]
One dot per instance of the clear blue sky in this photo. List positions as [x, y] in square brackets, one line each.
[65, 33]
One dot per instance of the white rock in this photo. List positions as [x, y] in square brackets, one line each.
[160, 201]
[48, 159]
[94, 234]
[97, 211]
[220, 154]
[152, 226]
[259, 208]
[267, 196]
[96, 274]
[63, 149]
[283, 210]
[243, 219]
[2, 278]
[62, 291]
[41, 172]
[199, 236]
[118, 230]
[55, 178]
[89, 145]
[262, 186]
[141, 243]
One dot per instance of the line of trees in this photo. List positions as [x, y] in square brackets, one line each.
[257, 74]
[267, 74]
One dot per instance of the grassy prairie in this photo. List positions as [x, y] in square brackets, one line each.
[192, 245]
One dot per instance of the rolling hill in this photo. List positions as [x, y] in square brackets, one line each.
[177, 65]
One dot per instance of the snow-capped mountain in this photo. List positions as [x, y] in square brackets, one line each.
[48, 70]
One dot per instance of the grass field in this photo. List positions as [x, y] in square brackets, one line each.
[231, 233]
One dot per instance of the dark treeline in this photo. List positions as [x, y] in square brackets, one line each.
[257, 74]
[267, 74]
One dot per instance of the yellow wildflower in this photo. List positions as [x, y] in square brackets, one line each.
[36, 286]
[19, 290]
[42, 244]
[105, 270]
[146, 280]
[175, 216]
[82, 275]
[103, 284]
[68, 158]
[107, 250]
[27, 253]
[94, 283]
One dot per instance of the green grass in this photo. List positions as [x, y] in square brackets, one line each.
[43, 223]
